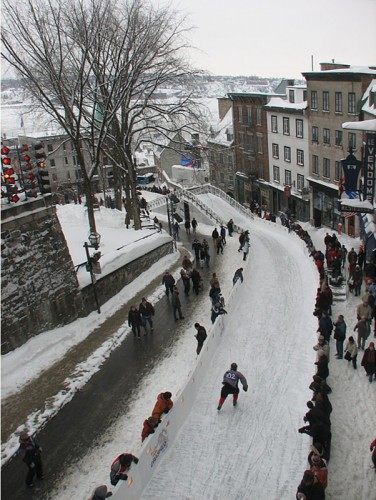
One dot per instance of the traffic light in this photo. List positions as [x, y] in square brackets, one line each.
[40, 155]
[44, 181]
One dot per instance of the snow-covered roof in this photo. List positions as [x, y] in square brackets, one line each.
[224, 127]
[277, 102]
[368, 99]
[365, 125]
[356, 203]
[323, 183]
[365, 70]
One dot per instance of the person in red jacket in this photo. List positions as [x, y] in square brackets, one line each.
[163, 405]
[150, 424]
[120, 466]
[373, 449]
[30, 453]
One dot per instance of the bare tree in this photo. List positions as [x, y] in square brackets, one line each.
[96, 67]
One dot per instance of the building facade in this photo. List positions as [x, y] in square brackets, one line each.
[288, 153]
[334, 97]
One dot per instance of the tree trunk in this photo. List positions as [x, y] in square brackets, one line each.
[89, 203]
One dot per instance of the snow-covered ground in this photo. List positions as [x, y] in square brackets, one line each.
[253, 451]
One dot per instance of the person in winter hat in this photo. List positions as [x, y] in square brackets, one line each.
[147, 311]
[230, 385]
[339, 335]
[163, 405]
[135, 321]
[320, 469]
[120, 466]
[351, 351]
[200, 336]
[238, 276]
[363, 331]
[310, 488]
[101, 492]
[176, 304]
[369, 361]
[168, 281]
[150, 424]
[30, 452]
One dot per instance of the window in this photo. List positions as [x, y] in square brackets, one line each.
[337, 171]
[66, 160]
[230, 162]
[351, 102]
[352, 140]
[74, 159]
[250, 142]
[287, 153]
[231, 179]
[276, 177]
[241, 138]
[304, 95]
[338, 102]
[325, 100]
[274, 124]
[326, 168]
[326, 136]
[315, 134]
[338, 137]
[240, 114]
[221, 158]
[212, 156]
[64, 146]
[258, 116]
[300, 157]
[222, 178]
[288, 178]
[314, 104]
[249, 114]
[275, 149]
[68, 175]
[50, 148]
[54, 177]
[299, 182]
[259, 144]
[291, 96]
[315, 164]
[52, 163]
[261, 170]
[213, 175]
[286, 126]
[299, 128]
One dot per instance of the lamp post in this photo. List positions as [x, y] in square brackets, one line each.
[94, 239]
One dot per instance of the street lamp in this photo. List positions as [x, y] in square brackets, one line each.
[94, 239]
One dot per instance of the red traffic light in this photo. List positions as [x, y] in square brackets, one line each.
[30, 176]
[25, 147]
[11, 180]
[5, 151]
[8, 173]
[14, 198]
[27, 158]
[5, 161]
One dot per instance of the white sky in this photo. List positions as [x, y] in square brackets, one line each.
[273, 38]
[274, 350]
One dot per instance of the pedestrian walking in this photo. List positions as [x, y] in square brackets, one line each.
[101, 492]
[176, 304]
[168, 281]
[215, 236]
[200, 337]
[147, 311]
[223, 235]
[186, 263]
[363, 331]
[231, 385]
[163, 405]
[186, 279]
[238, 276]
[150, 424]
[176, 229]
[187, 225]
[196, 281]
[120, 466]
[135, 321]
[230, 227]
[242, 237]
[351, 351]
[369, 361]
[194, 224]
[30, 452]
[219, 244]
[245, 248]
[196, 246]
[339, 335]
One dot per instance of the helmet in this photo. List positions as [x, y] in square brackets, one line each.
[234, 366]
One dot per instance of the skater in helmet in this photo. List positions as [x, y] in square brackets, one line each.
[230, 385]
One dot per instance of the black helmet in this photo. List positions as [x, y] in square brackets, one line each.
[234, 366]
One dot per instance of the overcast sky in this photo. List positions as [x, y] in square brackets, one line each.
[275, 38]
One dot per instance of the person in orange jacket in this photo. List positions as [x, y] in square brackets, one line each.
[163, 405]
[149, 427]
